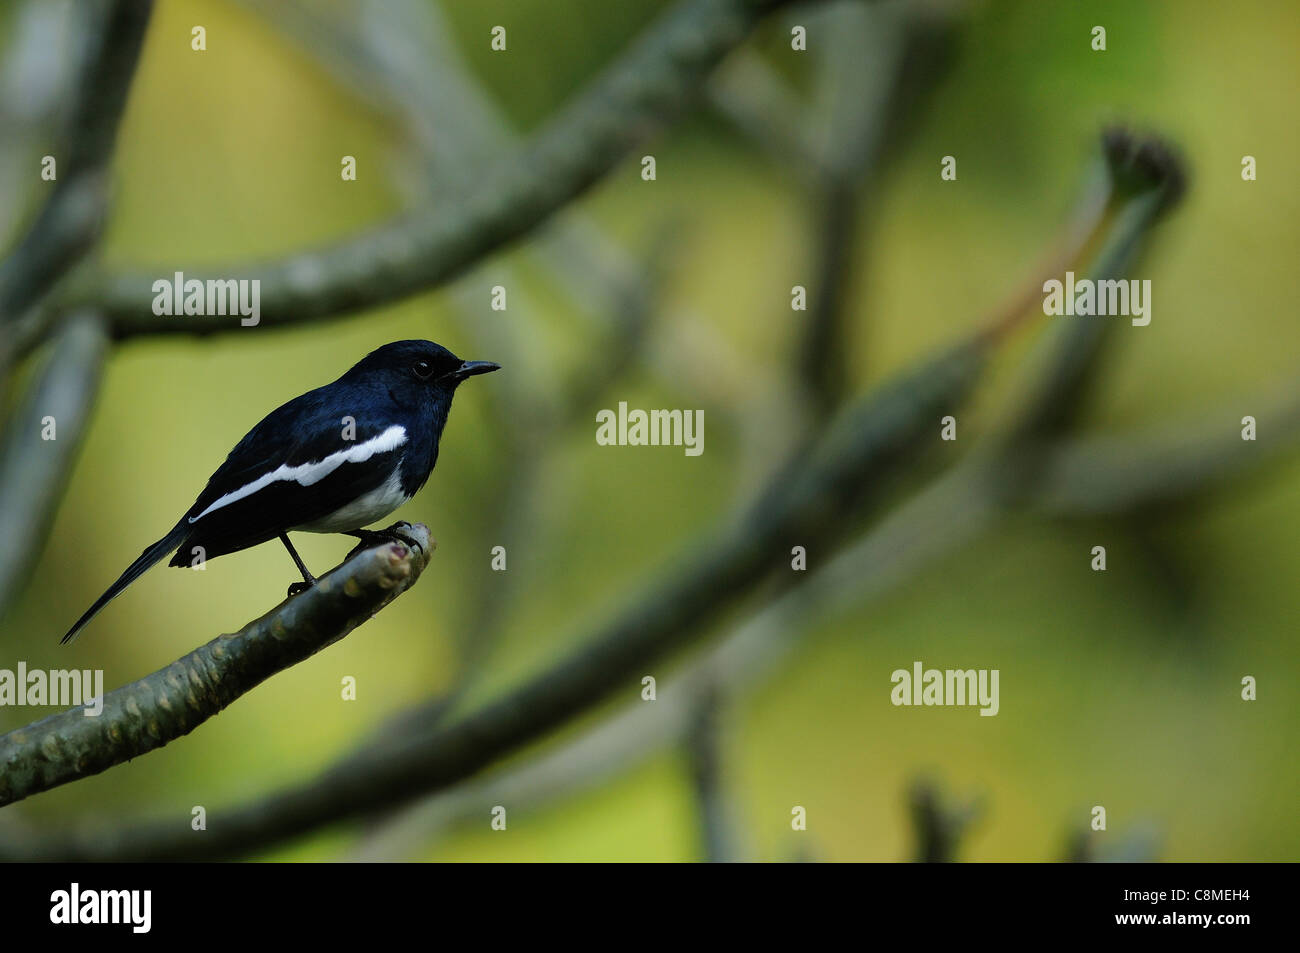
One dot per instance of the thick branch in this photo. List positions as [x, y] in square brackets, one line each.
[173, 701]
[647, 86]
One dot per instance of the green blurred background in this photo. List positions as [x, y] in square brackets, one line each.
[1119, 689]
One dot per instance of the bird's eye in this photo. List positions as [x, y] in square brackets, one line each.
[422, 370]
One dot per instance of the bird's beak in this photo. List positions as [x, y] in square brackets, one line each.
[470, 368]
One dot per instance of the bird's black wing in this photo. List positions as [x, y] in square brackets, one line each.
[303, 461]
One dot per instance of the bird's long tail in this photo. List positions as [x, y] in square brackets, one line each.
[133, 572]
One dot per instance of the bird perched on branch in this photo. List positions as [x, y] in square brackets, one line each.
[334, 460]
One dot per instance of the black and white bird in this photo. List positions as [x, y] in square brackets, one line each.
[334, 460]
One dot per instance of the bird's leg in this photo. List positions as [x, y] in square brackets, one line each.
[308, 580]
[369, 537]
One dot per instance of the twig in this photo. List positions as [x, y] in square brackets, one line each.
[870, 74]
[750, 94]
[704, 759]
[173, 701]
[1166, 466]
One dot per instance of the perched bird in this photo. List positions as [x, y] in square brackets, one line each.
[334, 460]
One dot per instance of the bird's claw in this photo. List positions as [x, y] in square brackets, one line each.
[392, 534]
[298, 587]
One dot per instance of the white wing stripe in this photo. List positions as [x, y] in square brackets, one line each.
[306, 474]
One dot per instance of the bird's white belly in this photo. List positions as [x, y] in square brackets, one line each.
[364, 510]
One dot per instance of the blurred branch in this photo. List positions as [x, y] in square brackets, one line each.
[878, 62]
[1143, 195]
[40, 57]
[67, 226]
[758, 102]
[864, 97]
[1165, 466]
[100, 100]
[173, 701]
[33, 470]
[70, 222]
[704, 759]
[649, 84]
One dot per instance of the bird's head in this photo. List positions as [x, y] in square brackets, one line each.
[419, 365]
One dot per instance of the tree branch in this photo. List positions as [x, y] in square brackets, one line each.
[1166, 467]
[173, 701]
[33, 470]
[704, 757]
[71, 221]
[880, 62]
[650, 84]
